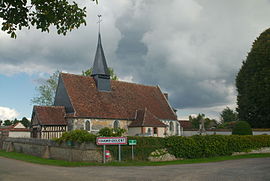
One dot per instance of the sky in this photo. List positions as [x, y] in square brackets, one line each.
[192, 49]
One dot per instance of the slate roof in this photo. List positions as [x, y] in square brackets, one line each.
[145, 118]
[50, 115]
[120, 103]
[100, 64]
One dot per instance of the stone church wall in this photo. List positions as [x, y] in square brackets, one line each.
[96, 124]
[50, 149]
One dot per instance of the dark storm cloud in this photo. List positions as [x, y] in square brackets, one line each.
[191, 49]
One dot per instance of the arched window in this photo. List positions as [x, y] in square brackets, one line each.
[149, 131]
[116, 124]
[87, 125]
[177, 129]
[171, 127]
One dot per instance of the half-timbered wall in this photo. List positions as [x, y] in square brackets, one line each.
[49, 132]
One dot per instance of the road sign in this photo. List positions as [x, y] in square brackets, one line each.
[132, 142]
[111, 140]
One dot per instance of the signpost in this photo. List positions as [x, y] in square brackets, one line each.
[111, 141]
[132, 143]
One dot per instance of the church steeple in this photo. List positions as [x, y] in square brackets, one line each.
[100, 69]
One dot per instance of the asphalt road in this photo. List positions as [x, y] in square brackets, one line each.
[234, 170]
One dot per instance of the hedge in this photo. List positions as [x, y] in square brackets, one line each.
[192, 147]
[181, 147]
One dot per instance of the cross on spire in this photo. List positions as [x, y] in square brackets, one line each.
[99, 21]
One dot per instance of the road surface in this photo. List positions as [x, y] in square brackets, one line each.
[255, 169]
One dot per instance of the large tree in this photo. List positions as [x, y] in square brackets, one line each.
[41, 14]
[228, 115]
[253, 84]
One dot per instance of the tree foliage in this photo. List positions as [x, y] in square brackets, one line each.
[228, 115]
[46, 90]
[62, 14]
[242, 128]
[196, 121]
[111, 132]
[113, 76]
[24, 121]
[253, 84]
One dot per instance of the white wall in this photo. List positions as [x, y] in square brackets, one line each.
[21, 134]
[132, 131]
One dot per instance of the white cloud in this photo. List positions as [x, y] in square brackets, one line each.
[8, 113]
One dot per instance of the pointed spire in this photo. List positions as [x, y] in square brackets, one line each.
[100, 65]
[100, 69]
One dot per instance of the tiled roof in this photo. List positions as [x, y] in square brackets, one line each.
[186, 124]
[145, 118]
[50, 115]
[120, 103]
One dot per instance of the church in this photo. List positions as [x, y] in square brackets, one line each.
[94, 102]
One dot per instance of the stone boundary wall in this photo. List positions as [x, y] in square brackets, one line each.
[85, 152]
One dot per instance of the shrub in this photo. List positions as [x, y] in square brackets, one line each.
[242, 128]
[79, 136]
[111, 132]
[145, 146]
[213, 145]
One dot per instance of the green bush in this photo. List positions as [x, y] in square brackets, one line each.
[145, 146]
[78, 136]
[111, 132]
[241, 128]
[213, 145]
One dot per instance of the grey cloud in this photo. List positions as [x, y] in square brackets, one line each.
[191, 49]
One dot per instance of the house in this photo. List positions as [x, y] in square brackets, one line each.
[94, 102]
[16, 130]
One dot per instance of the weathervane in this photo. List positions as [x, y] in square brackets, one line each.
[99, 21]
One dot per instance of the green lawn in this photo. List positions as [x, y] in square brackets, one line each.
[34, 159]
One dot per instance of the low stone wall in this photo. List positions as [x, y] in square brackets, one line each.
[87, 152]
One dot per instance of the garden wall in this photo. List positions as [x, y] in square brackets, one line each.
[87, 152]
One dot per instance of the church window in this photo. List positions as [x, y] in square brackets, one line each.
[87, 125]
[149, 131]
[177, 129]
[171, 126]
[155, 130]
[116, 124]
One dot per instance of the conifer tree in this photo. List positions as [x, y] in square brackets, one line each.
[253, 84]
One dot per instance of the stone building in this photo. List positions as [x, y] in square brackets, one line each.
[94, 102]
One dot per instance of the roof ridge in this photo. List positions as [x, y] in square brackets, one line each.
[155, 86]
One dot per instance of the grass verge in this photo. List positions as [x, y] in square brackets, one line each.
[38, 160]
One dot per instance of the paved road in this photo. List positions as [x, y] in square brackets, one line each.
[234, 170]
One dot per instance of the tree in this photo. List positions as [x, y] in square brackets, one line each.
[25, 122]
[196, 121]
[113, 76]
[228, 115]
[62, 14]
[253, 84]
[47, 90]
[7, 123]
[242, 128]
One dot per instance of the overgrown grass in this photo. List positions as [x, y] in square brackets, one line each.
[38, 160]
